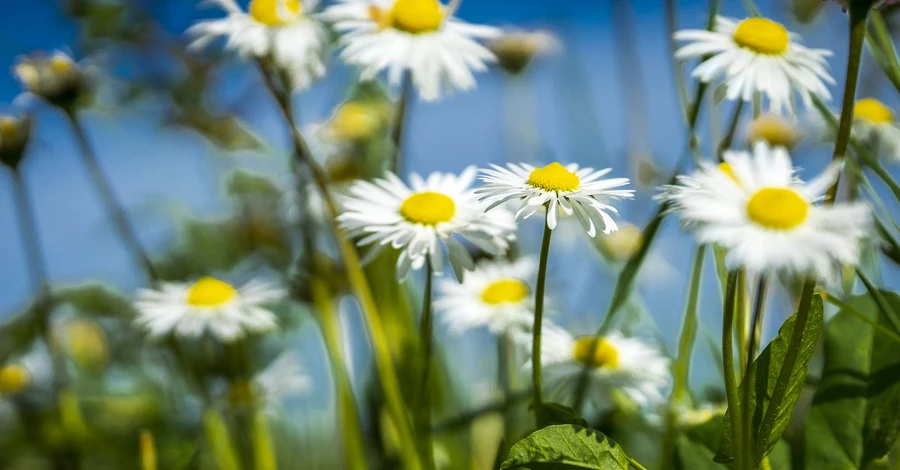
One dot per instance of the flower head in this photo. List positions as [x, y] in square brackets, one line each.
[55, 78]
[419, 218]
[281, 29]
[775, 130]
[758, 55]
[617, 363]
[497, 294]
[754, 206]
[15, 133]
[207, 305]
[575, 191]
[421, 37]
[874, 125]
[282, 379]
[515, 50]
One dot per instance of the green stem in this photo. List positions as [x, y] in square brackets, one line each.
[742, 318]
[113, 207]
[725, 144]
[538, 322]
[752, 348]
[858, 15]
[636, 464]
[671, 27]
[845, 307]
[354, 451]
[422, 401]
[263, 448]
[219, 441]
[879, 299]
[358, 283]
[506, 365]
[399, 122]
[731, 385]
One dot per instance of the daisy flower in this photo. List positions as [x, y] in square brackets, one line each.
[56, 77]
[618, 363]
[775, 130]
[282, 379]
[208, 304]
[758, 55]
[421, 37]
[496, 295]
[874, 124]
[754, 206]
[281, 29]
[418, 218]
[574, 190]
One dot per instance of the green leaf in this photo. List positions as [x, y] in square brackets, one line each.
[555, 413]
[882, 47]
[697, 446]
[761, 380]
[566, 447]
[853, 420]
[97, 299]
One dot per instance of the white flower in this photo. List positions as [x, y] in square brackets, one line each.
[419, 36]
[497, 295]
[574, 190]
[874, 125]
[758, 55]
[281, 379]
[208, 304]
[628, 365]
[417, 219]
[767, 219]
[281, 29]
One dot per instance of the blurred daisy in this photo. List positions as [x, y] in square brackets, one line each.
[208, 304]
[422, 37]
[282, 379]
[281, 29]
[418, 218]
[56, 78]
[773, 129]
[874, 125]
[754, 206]
[617, 363]
[515, 50]
[758, 55]
[574, 190]
[496, 295]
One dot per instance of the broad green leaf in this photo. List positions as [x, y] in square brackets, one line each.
[854, 418]
[554, 413]
[697, 446]
[761, 380]
[97, 299]
[882, 47]
[566, 447]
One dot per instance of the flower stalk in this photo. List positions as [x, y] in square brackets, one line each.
[536, 378]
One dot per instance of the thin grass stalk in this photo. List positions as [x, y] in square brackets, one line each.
[359, 284]
[113, 207]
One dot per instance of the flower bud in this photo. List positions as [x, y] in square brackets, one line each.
[57, 78]
[775, 130]
[13, 379]
[516, 50]
[86, 344]
[622, 244]
[15, 132]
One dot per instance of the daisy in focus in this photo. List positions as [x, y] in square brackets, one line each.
[758, 55]
[421, 37]
[419, 218]
[575, 191]
[209, 305]
[755, 207]
[874, 125]
[497, 295]
[281, 29]
[617, 363]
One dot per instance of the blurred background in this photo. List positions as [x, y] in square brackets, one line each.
[171, 129]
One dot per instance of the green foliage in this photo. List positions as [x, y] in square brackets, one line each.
[97, 299]
[761, 380]
[854, 417]
[566, 447]
[555, 413]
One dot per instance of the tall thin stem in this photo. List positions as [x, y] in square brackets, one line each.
[725, 144]
[759, 308]
[750, 379]
[37, 268]
[399, 123]
[538, 321]
[357, 279]
[731, 391]
[422, 402]
[113, 206]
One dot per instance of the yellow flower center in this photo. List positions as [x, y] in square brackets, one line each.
[777, 208]
[9, 129]
[412, 16]
[354, 121]
[596, 354]
[13, 379]
[726, 168]
[777, 131]
[554, 177]
[504, 291]
[623, 243]
[60, 64]
[762, 36]
[874, 111]
[210, 292]
[274, 12]
[428, 208]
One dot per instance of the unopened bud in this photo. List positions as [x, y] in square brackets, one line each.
[775, 130]
[516, 50]
[56, 78]
[14, 135]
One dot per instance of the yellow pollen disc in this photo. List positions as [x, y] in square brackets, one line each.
[604, 354]
[274, 12]
[416, 16]
[554, 177]
[728, 170]
[354, 121]
[9, 129]
[777, 131]
[762, 36]
[874, 111]
[777, 208]
[210, 292]
[13, 379]
[59, 64]
[504, 291]
[428, 208]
